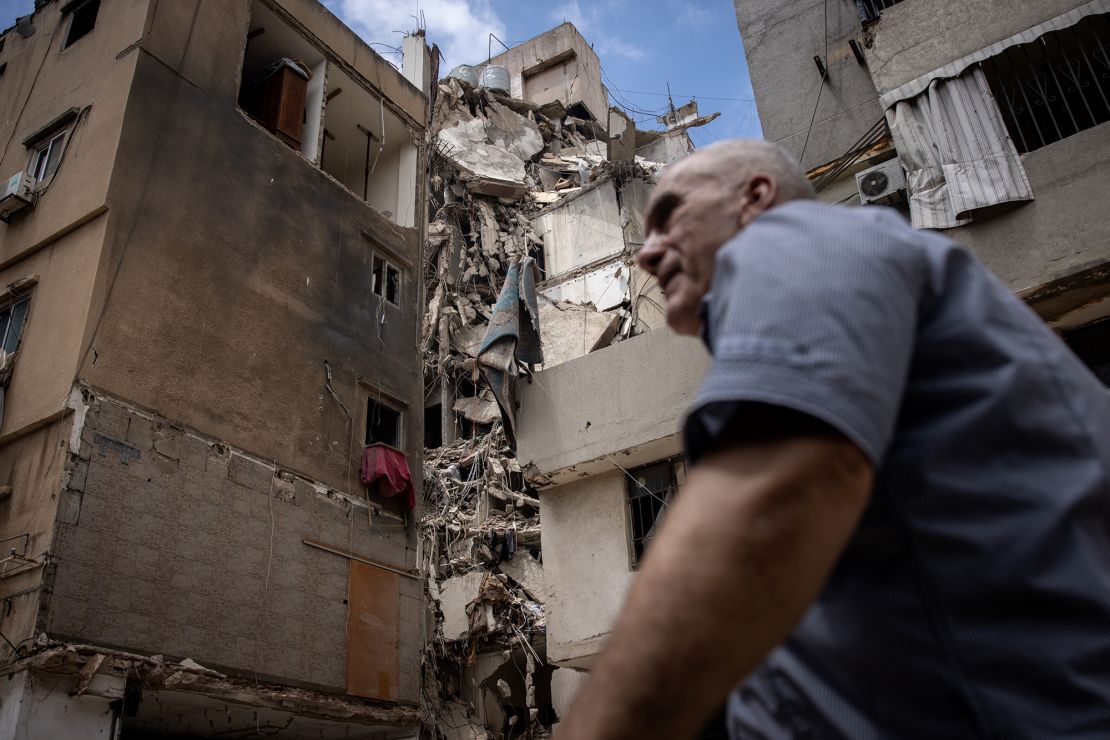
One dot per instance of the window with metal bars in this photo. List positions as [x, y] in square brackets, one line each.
[650, 490]
[869, 10]
[1056, 86]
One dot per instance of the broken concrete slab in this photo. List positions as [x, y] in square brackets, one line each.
[513, 132]
[465, 143]
[455, 595]
[481, 409]
[569, 331]
[528, 572]
[605, 288]
[584, 230]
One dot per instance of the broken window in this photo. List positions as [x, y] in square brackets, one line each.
[1055, 86]
[11, 324]
[1092, 344]
[82, 20]
[283, 80]
[650, 490]
[383, 423]
[333, 119]
[385, 280]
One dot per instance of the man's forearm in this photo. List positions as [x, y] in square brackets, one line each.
[741, 555]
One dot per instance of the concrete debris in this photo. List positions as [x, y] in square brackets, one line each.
[511, 182]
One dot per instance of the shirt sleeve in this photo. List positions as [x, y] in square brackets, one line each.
[815, 309]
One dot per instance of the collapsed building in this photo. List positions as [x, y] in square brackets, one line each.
[537, 190]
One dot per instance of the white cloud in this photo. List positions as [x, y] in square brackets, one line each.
[589, 24]
[460, 27]
[694, 15]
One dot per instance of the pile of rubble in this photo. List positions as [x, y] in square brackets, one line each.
[535, 216]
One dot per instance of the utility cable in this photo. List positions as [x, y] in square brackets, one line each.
[820, 89]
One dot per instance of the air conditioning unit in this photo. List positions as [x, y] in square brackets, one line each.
[18, 193]
[877, 184]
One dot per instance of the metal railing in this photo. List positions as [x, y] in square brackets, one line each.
[1053, 87]
[870, 10]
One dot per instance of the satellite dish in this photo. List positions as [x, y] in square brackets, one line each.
[874, 184]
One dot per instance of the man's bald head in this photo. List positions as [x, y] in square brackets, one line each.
[736, 161]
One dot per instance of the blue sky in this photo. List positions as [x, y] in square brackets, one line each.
[643, 44]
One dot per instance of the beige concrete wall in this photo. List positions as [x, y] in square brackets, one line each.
[587, 565]
[43, 81]
[780, 39]
[573, 78]
[51, 345]
[1060, 232]
[34, 465]
[234, 269]
[914, 38]
[624, 402]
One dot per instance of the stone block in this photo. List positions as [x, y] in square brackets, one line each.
[218, 461]
[78, 475]
[69, 507]
[140, 432]
[193, 452]
[167, 441]
[247, 472]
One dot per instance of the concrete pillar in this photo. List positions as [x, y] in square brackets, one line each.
[565, 683]
[38, 705]
[416, 62]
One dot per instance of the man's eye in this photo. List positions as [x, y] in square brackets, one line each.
[661, 212]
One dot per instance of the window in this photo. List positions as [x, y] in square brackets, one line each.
[650, 490]
[383, 423]
[47, 156]
[11, 323]
[1092, 344]
[82, 20]
[385, 280]
[3, 68]
[1055, 86]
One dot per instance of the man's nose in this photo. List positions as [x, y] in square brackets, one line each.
[651, 253]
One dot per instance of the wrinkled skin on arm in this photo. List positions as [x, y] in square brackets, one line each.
[741, 555]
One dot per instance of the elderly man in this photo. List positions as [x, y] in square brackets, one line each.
[897, 521]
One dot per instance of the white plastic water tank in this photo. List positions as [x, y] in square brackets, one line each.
[496, 78]
[466, 73]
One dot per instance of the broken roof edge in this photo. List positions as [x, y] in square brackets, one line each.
[552, 30]
[652, 136]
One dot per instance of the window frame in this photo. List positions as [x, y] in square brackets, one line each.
[677, 469]
[8, 305]
[73, 10]
[388, 263]
[40, 156]
[374, 397]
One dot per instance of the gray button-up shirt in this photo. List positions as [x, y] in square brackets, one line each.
[973, 601]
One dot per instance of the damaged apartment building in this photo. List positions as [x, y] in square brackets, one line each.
[985, 119]
[538, 339]
[211, 312]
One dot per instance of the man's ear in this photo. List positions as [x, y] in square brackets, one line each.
[762, 192]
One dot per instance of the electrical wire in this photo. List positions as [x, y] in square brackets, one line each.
[820, 89]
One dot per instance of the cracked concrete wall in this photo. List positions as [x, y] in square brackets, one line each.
[780, 40]
[172, 543]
